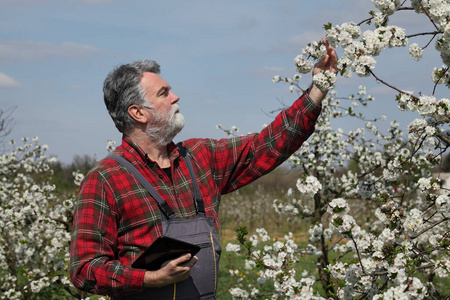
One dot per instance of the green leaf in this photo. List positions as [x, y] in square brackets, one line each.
[327, 26]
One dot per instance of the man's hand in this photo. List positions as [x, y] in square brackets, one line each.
[328, 63]
[173, 271]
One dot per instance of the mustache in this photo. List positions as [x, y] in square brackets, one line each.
[175, 109]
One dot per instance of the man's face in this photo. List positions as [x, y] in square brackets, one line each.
[165, 120]
[158, 92]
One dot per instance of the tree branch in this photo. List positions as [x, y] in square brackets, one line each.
[443, 138]
[439, 79]
[428, 15]
[391, 86]
[432, 226]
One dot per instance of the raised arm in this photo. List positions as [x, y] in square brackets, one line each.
[328, 63]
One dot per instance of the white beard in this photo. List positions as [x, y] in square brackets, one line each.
[164, 127]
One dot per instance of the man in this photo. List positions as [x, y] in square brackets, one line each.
[116, 218]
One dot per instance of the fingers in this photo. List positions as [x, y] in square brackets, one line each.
[191, 262]
[184, 261]
[329, 62]
[331, 56]
[177, 261]
[333, 60]
[170, 272]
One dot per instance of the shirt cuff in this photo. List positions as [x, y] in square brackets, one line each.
[307, 106]
[311, 105]
[135, 281]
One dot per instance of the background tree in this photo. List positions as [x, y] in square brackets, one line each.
[6, 122]
[398, 248]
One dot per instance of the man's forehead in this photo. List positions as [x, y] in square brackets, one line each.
[152, 81]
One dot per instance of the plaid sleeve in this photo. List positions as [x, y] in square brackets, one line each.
[239, 161]
[94, 266]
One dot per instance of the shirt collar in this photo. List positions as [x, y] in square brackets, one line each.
[134, 149]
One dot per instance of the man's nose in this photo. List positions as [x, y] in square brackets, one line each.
[174, 98]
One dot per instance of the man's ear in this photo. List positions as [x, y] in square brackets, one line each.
[138, 113]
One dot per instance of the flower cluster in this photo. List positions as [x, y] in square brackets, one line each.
[343, 34]
[325, 80]
[316, 51]
[426, 106]
[387, 6]
[338, 206]
[441, 75]
[344, 225]
[309, 186]
[415, 51]
[110, 145]
[359, 54]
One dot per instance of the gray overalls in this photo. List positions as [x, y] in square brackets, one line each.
[202, 282]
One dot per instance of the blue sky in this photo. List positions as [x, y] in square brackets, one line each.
[218, 56]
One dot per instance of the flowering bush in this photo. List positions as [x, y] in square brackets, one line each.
[33, 230]
[35, 224]
[401, 246]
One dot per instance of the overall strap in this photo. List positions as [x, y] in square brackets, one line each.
[198, 200]
[163, 206]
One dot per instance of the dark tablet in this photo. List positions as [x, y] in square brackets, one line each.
[163, 249]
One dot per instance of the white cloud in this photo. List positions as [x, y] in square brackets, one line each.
[6, 81]
[24, 51]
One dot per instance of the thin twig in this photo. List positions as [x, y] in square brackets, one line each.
[434, 33]
[439, 79]
[432, 226]
[359, 256]
[391, 86]
[428, 15]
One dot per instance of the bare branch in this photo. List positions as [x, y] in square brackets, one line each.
[6, 122]
[391, 86]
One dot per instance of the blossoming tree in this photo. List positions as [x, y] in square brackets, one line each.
[35, 225]
[33, 231]
[403, 247]
[397, 253]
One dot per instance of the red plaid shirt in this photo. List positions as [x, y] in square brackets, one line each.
[115, 218]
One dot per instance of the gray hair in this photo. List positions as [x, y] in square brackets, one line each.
[122, 88]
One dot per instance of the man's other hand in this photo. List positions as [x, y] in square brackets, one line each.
[172, 271]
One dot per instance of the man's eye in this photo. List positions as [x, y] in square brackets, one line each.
[165, 93]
